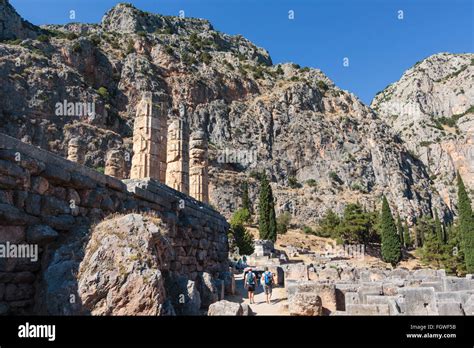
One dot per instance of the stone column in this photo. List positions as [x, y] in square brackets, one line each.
[149, 141]
[76, 151]
[115, 164]
[198, 163]
[177, 169]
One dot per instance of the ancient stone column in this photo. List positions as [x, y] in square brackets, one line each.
[115, 164]
[149, 140]
[198, 167]
[177, 169]
[76, 151]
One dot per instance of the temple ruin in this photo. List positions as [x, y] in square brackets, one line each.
[198, 167]
[149, 140]
[177, 175]
[115, 164]
[76, 151]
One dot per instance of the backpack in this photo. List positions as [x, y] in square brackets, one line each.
[250, 280]
[268, 278]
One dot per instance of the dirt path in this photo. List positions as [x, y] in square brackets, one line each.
[279, 305]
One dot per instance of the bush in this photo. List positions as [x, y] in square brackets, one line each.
[205, 57]
[322, 86]
[334, 177]
[76, 47]
[293, 182]
[104, 93]
[311, 183]
[43, 38]
[71, 36]
[169, 50]
[283, 221]
[308, 230]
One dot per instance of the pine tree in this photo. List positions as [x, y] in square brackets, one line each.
[406, 235]
[266, 207]
[466, 225]
[391, 251]
[245, 197]
[432, 250]
[328, 225]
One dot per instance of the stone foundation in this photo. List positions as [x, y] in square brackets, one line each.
[50, 202]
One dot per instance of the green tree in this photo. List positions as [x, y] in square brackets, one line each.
[267, 220]
[245, 197]
[240, 217]
[243, 239]
[329, 224]
[432, 250]
[357, 226]
[438, 227]
[466, 225]
[391, 251]
[453, 255]
[406, 236]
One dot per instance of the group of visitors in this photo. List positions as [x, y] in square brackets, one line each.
[251, 281]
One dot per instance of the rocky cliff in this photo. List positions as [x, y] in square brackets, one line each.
[432, 109]
[321, 146]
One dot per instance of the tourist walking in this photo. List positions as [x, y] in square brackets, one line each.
[268, 279]
[250, 282]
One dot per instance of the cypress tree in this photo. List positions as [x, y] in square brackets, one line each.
[466, 225]
[391, 251]
[438, 228]
[406, 235]
[245, 197]
[267, 218]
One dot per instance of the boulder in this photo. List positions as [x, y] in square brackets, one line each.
[246, 310]
[207, 289]
[226, 308]
[305, 303]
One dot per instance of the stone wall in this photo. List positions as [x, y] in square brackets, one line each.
[50, 202]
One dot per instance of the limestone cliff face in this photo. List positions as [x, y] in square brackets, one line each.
[432, 109]
[13, 26]
[292, 122]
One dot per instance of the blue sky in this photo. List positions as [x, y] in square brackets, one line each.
[380, 47]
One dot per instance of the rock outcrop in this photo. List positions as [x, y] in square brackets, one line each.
[12, 26]
[121, 273]
[431, 107]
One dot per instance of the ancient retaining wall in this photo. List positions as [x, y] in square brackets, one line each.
[48, 202]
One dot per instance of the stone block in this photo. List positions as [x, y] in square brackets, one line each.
[457, 284]
[367, 290]
[367, 309]
[417, 301]
[449, 308]
[437, 286]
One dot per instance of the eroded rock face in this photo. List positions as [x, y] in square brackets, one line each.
[432, 109]
[121, 273]
[12, 26]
